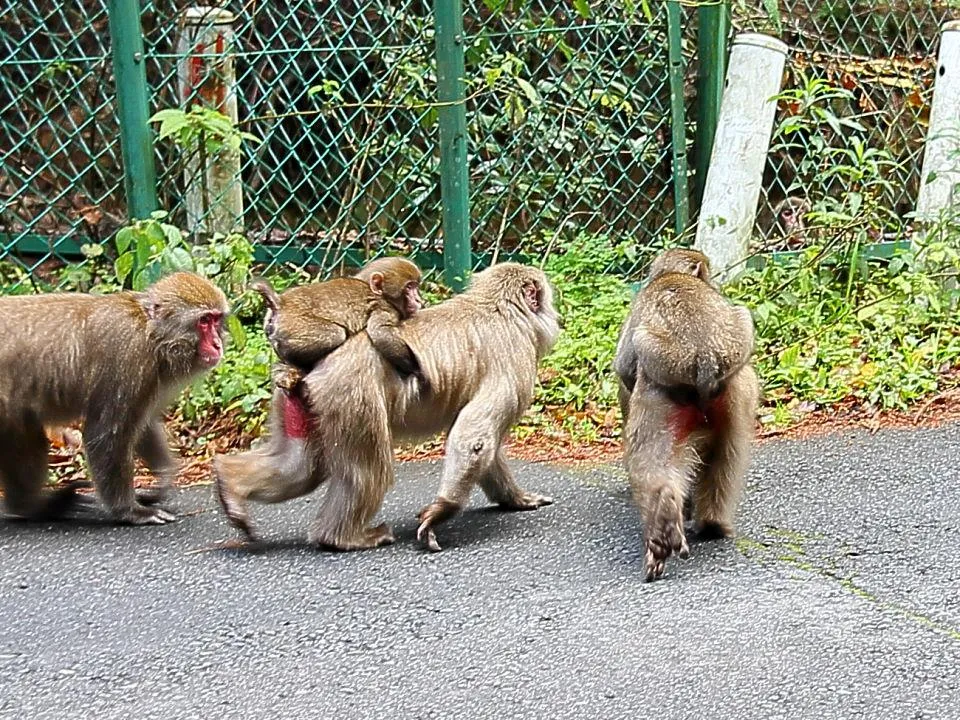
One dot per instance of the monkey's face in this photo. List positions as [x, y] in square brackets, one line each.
[210, 331]
[411, 301]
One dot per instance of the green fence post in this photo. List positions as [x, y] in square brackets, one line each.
[136, 137]
[452, 114]
[678, 118]
[712, 51]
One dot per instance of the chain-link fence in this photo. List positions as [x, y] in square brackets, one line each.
[869, 66]
[569, 120]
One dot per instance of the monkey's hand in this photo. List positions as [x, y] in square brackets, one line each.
[143, 515]
[664, 535]
[526, 501]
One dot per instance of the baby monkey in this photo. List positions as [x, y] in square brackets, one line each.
[306, 323]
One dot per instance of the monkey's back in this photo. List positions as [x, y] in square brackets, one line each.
[341, 301]
[687, 325]
[51, 348]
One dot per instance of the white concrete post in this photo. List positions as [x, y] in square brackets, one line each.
[214, 193]
[732, 190]
[941, 157]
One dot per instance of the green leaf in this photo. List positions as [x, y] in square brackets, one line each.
[178, 259]
[123, 239]
[773, 12]
[529, 91]
[237, 332]
[855, 200]
[124, 266]
[583, 8]
[868, 311]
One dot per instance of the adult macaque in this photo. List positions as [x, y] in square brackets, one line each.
[478, 353]
[113, 361]
[307, 323]
[689, 398]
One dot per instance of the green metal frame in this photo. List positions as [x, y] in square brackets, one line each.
[136, 137]
[454, 176]
[712, 51]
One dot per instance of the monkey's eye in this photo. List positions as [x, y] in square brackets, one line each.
[209, 319]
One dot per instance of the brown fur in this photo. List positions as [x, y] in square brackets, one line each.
[113, 361]
[689, 398]
[478, 352]
[307, 323]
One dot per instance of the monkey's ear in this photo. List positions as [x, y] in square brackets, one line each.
[376, 283]
[701, 271]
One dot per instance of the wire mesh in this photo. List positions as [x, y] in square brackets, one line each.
[60, 170]
[568, 110]
[869, 65]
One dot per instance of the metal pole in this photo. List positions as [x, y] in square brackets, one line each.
[712, 51]
[452, 115]
[678, 118]
[136, 137]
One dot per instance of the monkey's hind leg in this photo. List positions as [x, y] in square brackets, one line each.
[721, 480]
[499, 486]
[343, 520]
[23, 473]
[660, 474]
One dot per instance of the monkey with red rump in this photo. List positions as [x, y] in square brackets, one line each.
[689, 397]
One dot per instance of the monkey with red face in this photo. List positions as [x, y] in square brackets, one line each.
[114, 362]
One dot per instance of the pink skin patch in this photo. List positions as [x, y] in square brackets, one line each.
[685, 419]
[296, 418]
[210, 348]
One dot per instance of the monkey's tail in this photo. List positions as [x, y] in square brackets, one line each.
[709, 383]
[270, 296]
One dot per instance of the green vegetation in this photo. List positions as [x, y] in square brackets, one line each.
[832, 326]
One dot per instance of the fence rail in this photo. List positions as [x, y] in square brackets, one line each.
[579, 118]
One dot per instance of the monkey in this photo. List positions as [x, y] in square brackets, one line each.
[306, 323]
[785, 225]
[114, 362]
[478, 351]
[689, 397]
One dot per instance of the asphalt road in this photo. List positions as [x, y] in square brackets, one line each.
[841, 599]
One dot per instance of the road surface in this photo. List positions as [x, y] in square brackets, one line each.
[840, 599]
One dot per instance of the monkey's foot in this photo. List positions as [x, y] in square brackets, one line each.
[713, 530]
[664, 537]
[154, 495]
[144, 515]
[234, 508]
[369, 538]
[435, 513]
[526, 501]
[60, 502]
[380, 535]
[287, 377]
